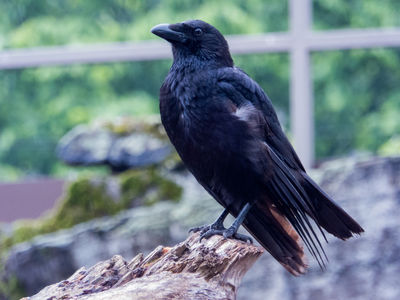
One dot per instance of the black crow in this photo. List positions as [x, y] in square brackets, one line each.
[226, 131]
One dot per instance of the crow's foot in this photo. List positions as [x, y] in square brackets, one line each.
[229, 233]
[217, 225]
[205, 228]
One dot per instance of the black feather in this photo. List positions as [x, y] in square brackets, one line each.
[227, 133]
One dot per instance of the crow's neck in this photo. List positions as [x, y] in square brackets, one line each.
[183, 75]
[196, 64]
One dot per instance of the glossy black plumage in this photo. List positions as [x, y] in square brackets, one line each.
[227, 133]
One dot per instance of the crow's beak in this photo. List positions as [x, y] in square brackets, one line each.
[164, 31]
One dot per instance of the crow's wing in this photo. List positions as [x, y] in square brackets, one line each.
[241, 89]
[283, 190]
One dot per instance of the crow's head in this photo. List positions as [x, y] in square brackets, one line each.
[195, 39]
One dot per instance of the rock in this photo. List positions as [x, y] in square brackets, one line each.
[136, 230]
[99, 144]
[48, 263]
[54, 257]
[88, 198]
[192, 269]
[362, 268]
[365, 267]
[137, 150]
[85, 146]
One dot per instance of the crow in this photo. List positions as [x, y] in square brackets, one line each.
[227, 133]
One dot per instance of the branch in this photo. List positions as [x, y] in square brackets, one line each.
[210, 269]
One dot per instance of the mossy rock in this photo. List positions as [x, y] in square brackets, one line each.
[126, 125]
[88, 199]
[10, 288]
[147, 187]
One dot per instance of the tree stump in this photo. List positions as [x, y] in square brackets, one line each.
[210, 269]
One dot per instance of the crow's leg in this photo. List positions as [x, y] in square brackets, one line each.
[217, 225]
[231, 232]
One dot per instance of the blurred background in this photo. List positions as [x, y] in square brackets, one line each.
[82, 141]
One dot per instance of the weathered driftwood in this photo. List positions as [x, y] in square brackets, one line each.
[210, 269]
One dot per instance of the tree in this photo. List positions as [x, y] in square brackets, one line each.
[356, 95]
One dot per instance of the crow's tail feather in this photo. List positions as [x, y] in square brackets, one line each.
[278, 237]
[329, 215]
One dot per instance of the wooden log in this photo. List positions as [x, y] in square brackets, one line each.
[210, 269]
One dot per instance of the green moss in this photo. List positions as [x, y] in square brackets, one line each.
[11, 289]
[135, 183]
[147, 187]
[168, 189]
[84, 201]
[88, 199]
[125, 126]
[24, 231]
[173, 162]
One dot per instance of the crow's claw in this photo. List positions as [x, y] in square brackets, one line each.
[226, 233]
[205, 228]
[243, 238]
[231, 234]
[197, 229]
[209, 233]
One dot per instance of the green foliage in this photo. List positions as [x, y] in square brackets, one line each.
[36, 22]
[391, 147]
[355, 91]
[330, 14]
[356, 102]
[39, 105]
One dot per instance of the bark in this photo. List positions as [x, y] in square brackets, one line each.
[210, 269]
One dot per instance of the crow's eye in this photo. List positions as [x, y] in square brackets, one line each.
[198, 31]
